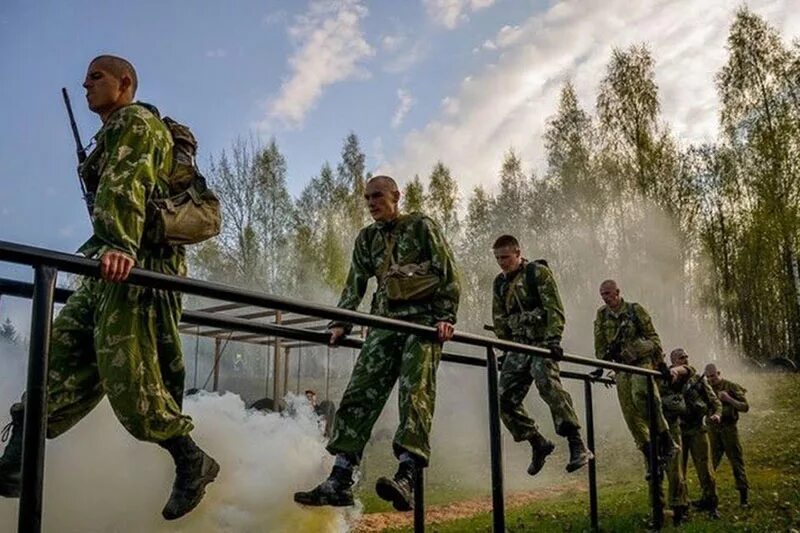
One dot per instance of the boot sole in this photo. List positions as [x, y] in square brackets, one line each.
[209, 477]
[326, 502]
[387, 491]
[545, 451]
[571, 467]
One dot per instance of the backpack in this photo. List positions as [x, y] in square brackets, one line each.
[191, 213]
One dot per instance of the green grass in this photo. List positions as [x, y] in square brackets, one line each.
[771, 440]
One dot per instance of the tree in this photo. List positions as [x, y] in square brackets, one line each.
[442, 199]
[352, 179]
[8, 332]
[414, 196]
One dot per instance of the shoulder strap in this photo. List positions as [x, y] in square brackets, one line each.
[634, 317]
[530, 278]
[388, 255]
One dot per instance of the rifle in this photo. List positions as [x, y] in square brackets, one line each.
[88, 197]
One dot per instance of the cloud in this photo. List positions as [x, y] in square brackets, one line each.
[451, 13]
[330, 48]
[406, 57]
[508, 102]
[488, 44]
[406, 101]
[216, 53]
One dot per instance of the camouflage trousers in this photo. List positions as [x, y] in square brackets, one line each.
[676, 473]
[696, 443]
[632, 395]
[386, 357]
[121, 341]
[518, 373]
[725, 441]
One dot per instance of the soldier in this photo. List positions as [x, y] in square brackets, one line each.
[674, 407]
[113, 339]
[700, 404]
[417, 282]
[624, 332]
[724, 437]
[526, 308]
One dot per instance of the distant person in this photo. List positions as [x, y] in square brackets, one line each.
[526, 308]
[114, 339]
[724, 436]
[702, 407]
[417, 282]
[326, 410]
[624, 333]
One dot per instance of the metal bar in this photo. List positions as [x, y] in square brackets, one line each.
[587, 389]
[217, 357]
[419, 499]
[30, 255]
[328, 375]
[655, 467]
[35, 425]
[495, 445]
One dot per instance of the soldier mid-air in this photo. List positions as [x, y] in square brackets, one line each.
[417, 282]
[114, 339]
[526, 308]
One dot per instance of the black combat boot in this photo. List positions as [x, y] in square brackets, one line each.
[579, 454]
[335, 491]
[744, 503]
[400, 489]
[194, 469]
[680, 514]
[11, 461]
[540, 449]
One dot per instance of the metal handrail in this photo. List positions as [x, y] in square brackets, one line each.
[47, 263]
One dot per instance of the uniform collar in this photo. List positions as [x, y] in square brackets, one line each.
[513, 274]
[622, 306]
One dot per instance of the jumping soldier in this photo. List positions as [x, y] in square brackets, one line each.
[526, 308]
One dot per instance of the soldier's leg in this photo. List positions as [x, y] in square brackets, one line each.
[548, 383]
[374, 375]
[700, 449]
[717, 447]
[676, 478]
[639, 394]
[73, 382]
[168, 343]
[733, 449]
[126, 340]
[637, 427]
[514, 383]
[417, 396]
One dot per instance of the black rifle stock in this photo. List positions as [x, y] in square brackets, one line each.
[80, 150]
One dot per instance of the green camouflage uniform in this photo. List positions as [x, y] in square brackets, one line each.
[387, 355]
[701, 402]
[117, 339]
[674, 408]
[534, 316]
[724, 436]
[630, 325]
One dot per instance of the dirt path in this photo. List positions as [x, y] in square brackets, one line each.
[435, 514]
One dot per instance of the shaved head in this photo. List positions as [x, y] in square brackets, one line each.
[711, 369]
[385, 181]
[119, 68]
[609, 284]
[609, 292]
[677, 355]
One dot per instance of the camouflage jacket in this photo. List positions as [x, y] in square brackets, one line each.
[691, 399]
[629, 324]
[729, 413]
[132, 156]
[527, 314]
[417, 239]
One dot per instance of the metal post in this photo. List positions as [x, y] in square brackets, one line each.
[299, 364]
[655, 467]
[495, 445]
[587, 388]
[217, 357]
[419, 500]
[285, 369]
[277, 369]
[35, 426]
[328, 374]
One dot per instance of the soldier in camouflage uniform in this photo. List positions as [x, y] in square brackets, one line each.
[674, 407]
[701, 405]
[394, 242]
[526, 308]
[624, 332]
[724, 437]
[113, 339]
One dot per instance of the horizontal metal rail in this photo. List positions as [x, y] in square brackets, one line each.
[33, 256]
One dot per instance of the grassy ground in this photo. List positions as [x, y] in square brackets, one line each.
[771, 440]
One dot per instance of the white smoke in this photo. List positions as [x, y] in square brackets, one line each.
[99, 479]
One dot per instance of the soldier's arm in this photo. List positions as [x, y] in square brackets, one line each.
[648, 330]
[126, 182]
[361, 270]
[714, 405]
[600, 343]
[445, 299]
[551, 302]
[738, 399]
[499, 317]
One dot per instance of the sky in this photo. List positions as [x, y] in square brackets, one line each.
[417, 81]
